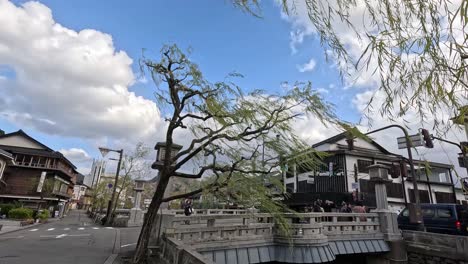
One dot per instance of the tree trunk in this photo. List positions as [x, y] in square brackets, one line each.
[149, 221]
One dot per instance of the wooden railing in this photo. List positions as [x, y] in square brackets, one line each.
[302, 228]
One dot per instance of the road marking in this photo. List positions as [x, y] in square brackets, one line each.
[49, 236]
[95, 228]
[109, 227]
[34, 230]
[127, 245]
[11, 237]
[81, 228]
[66, 228]
[50, 229]
[60, 236]
[80, 235]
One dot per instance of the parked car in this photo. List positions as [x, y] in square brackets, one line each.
[439, 218]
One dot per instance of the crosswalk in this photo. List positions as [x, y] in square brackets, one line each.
[69, 229]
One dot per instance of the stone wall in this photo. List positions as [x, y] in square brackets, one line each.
[433, 248]
[175, 252]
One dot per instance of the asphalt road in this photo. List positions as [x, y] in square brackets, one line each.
[74, 239]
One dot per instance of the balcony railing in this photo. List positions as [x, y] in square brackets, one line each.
[58, 166]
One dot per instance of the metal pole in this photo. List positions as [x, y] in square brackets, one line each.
[413, 174]
[109, 207]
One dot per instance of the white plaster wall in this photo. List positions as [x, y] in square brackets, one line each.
[19, 141]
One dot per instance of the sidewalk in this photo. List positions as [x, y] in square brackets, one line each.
[12, 226]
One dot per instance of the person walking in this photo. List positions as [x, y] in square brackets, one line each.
[188, 209]
[361, 209]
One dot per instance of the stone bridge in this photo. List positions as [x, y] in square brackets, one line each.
[241, 237]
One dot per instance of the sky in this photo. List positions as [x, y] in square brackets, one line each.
[70, 74]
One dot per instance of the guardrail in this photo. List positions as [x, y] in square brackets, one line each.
[305, 228]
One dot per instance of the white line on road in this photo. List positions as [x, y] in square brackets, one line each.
[50, 229]
[34, 230]
[80, 235]
[127, 245]
[109, 227]
[60, 236]
[95, 228]
[11, 237]
[66, 228]
[81, 228]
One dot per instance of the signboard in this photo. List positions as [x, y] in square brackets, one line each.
[330, 168]
[41, 181]
[415, 140]
[355, 186]
[147, 201]
[109, 185]
[310, 180]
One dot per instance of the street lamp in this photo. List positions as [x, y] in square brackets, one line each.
[417, 208]
[161, 154]
[263, 148]
[104, 152]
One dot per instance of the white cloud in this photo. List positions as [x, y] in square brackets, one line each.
[322, 90]
[307, 67]
[80, 158]
[68, 83]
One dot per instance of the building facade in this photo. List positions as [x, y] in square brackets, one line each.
[38, 176]
[344, 176]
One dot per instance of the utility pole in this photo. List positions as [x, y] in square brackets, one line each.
[104, 152]
[413, 173]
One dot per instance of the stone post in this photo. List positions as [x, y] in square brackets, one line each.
[136, 214]
[387, 219]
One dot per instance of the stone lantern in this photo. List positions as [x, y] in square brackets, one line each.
[136, 214]
[161, 154]
[379, 176]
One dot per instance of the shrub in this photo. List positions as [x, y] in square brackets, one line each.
[5, 208]
[44, 215]
[20, 213]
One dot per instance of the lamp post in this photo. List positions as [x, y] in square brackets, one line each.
[417, 208]
[161, 154]
[104, 152]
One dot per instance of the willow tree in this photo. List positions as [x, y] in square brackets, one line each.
[224, 129]
[417, 48]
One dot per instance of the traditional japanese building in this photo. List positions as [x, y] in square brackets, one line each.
[343, 175]
[38, 176]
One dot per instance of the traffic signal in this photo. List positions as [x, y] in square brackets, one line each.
[427, 138]
[403, 169]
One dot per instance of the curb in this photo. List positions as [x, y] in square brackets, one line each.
[115, 249]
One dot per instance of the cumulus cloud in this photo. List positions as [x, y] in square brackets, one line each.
[79, 157]
[67, 82]
[307, 67]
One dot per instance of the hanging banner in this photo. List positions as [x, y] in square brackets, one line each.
[41, 181]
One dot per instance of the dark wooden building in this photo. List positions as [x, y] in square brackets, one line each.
[38, 176]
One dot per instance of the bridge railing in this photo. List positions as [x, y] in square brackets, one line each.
[247, 225]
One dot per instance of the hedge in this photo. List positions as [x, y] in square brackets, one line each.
[20, 213]
[5, 208]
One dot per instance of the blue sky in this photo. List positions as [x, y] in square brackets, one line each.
[54, 93]
[223, 38]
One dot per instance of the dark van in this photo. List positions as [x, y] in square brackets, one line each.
[439, 218]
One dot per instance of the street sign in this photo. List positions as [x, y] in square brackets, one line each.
[415, 141]
[109, 185]
[41, 182]
[355, 185]
[310, 180]
[330, 168]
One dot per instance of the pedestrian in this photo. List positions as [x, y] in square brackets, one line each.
[188, 209]
[361, 209]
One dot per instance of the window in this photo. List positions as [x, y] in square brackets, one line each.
[444, 213]
[290, 187]
[289, 171]
[443, 177]
[405, 213]
[363, 165]
[427, 212]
